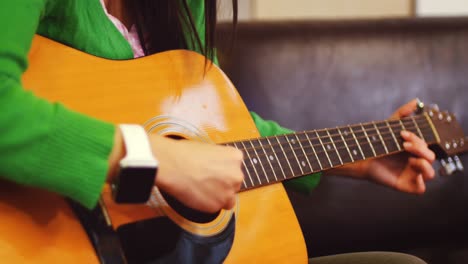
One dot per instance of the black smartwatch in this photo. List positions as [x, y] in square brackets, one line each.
[138, 168]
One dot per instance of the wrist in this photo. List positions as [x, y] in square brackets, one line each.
[162, 143]
[137, 169]
[117, 153]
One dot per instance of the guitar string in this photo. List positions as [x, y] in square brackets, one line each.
[314, 161]
[359, 138]
[296, 168]
[332, 150]
[393, 126]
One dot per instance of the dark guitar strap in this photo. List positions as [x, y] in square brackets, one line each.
[105, 240]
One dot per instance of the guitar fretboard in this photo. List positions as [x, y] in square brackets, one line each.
[274, 159]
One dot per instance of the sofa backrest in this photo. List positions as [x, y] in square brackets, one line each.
[321, 74]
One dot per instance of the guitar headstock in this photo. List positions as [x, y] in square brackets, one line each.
[450, 141]
[451, 138]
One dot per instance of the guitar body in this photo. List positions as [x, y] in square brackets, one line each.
[172, 94]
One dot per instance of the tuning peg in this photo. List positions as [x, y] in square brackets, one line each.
[458, 163]
[448, 166]
[419, 106]
[434, 106]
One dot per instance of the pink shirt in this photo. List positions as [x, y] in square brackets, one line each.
[131, 36]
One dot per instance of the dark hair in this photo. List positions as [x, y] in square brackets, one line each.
[169, 24]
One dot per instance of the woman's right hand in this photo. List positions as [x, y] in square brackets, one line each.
[202, 176]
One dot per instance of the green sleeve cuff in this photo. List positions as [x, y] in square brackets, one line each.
[74, 159]
[268, 128]
[48, 146]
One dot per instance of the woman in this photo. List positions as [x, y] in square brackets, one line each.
[46, 145]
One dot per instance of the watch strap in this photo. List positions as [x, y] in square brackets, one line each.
[138, 168]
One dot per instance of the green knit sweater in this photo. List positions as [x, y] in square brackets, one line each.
[44, 144]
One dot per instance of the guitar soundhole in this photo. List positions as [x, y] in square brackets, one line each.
[189, 213]
[176, 137]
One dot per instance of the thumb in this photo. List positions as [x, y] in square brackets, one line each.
[406, 109]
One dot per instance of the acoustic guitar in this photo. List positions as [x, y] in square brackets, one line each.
[176, 94]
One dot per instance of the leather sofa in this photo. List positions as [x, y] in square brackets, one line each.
[322, 74]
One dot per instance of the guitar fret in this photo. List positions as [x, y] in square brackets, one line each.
[307, 150]
[381, 138]
[326, 148]
[403, 128]
[303, 151]
[357, 142]
[400, 127]
[341, 152]
[351, 143]
[433, 135]
[368, 140]
[268, 159]
[390, 142]
[364, 141]
[284, 153]
[313, 149]
[330, 147]
[374, 138]
[393, 135]
[277, 160]
[259, 161]
[252, 162]
[246, 169]
[326, 153]
[417, 128]
[334, 146]
[346, 144]
[294, 153]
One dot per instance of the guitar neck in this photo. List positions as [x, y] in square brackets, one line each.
[274, 159]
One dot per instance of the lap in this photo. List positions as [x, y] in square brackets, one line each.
[368, 258]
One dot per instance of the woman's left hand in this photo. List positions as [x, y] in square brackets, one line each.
[405, 171]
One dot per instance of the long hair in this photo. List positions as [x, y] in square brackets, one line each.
[169, 24]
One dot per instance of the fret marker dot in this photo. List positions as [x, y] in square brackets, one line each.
[374, 138]
[271, 157]
[303, 163]
[293, 141]
[255, 160]
[346, 132]
[354, 152]
[329, 147]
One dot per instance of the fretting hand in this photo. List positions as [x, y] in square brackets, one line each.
[406, 171]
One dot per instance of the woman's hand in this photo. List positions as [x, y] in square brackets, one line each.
[406, 171]
[202, 176]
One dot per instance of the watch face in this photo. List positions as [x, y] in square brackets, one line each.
[133, 185]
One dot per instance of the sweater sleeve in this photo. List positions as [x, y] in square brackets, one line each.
[44, 144]
[270, 128]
